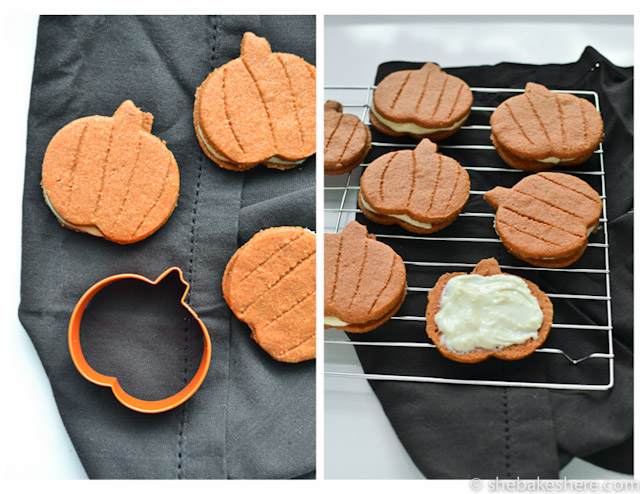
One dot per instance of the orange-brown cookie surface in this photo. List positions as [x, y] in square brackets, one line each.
[546, 218]
[487, 267]
[426, 102]
[258, 108]
[364, 280]
[539, 129]
[270, 284]
[110, 177]
[420, 190]
[346, 140]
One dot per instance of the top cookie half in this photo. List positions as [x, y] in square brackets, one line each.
[423, 103]
[258, 108]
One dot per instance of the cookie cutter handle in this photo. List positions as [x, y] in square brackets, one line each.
[89, 373]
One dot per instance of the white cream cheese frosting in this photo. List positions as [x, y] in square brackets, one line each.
[278, 161]
[273, 159]
[487, 312]
[334, 321]
[413, 128]
[554, 160]
[402, 217]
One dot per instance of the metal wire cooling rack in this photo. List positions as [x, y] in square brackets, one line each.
[341, 207]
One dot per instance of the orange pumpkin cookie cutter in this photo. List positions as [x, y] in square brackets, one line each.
[144, 406]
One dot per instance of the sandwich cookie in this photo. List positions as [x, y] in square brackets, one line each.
[364, 280]
[259, 108]
[270, 284]
[538, 129]
[110, 177]
[421, 103]
[471, 317]
[546, 218]
[419, 189]
[346, 140]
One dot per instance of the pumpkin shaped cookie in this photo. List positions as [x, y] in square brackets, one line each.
[110, 177]
[259, 108]
[346, 140]
[426, 102]
[419, 189]
[365, 281]
[546, 218]
[538, 129]
[488, 313]
[270, 284]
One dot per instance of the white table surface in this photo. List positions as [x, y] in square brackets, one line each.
[359, 441]
[37, 446]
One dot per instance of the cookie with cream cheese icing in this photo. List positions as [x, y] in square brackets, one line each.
[546, 218]
[258, 108]
[419, 189]
[364, 280]
[468, 323]
[347, 140]
[421, 103]
[110, 177]
[538, 129]
[270, 284]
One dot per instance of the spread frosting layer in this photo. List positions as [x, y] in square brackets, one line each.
[404, 217]
[334, 321]
[413, 128]
[487, 312]
[273, 159]
[554, 160]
